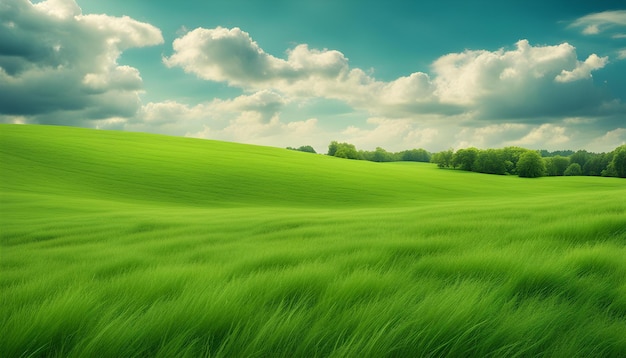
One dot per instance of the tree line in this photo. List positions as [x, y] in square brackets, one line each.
[349, 151]
[505, 161]
[530, 163]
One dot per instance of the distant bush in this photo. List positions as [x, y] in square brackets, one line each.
[304, 148]
[573, 169]
[342, 150]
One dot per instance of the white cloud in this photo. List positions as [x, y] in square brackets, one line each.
[547, 134]
[529, 83]
[60, 66]
[396, 134]
[248, 128]
[161, 113]
[490, 136]
[594, 24]
[526, 88]
[415, 88]
[608, 141]
[261, 106]
[583, 69]
[230, 55]
[59, 8]
[472, 76]
[249, 118]
[124, 78]
[266, 104]
[323, 63]
[591, 30]
[615, 136]
[524, 83]
[226, 55]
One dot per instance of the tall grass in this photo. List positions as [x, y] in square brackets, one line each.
[126, 253]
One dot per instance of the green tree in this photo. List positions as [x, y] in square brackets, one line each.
[342, 150]
[465, 158]
[415, 155]
[573, 169]
[511, 156]
[608, 171]
[366, 155]
[564, 153]
[381, 155]
[530, 165]
[490, 161]
[556, 165]
[596, 164]
[346, 150]
[618, 163]
[332, 148]
[443, 159]
[581, 157]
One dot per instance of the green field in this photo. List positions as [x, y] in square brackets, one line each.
[119, 244]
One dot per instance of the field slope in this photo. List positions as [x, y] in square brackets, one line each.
[125, 244]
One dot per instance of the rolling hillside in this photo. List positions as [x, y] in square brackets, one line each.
[129, 167]
[129, 244]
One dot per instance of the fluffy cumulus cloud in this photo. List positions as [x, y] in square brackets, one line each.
[230, 55]
[582, 69]
[524, 84]
[60, 66]
[527, 91]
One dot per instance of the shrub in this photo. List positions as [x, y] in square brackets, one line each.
[573, 170]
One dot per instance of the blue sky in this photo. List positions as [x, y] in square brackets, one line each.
[395, 74]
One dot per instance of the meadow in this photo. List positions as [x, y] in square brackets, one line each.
[116, 244]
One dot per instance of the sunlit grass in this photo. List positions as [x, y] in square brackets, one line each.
[143, 251]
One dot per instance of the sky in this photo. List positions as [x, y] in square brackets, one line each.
[395, 74]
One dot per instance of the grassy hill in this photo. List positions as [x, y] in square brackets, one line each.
[129, 244]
